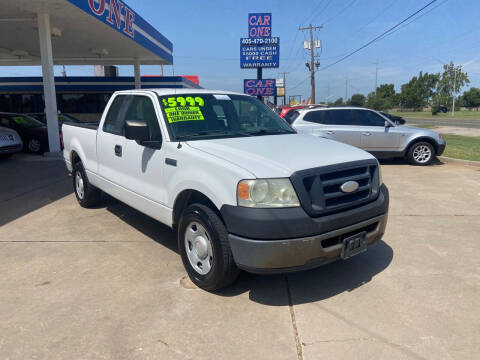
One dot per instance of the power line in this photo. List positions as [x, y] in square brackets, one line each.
[316, 13]
[340, 12]
[418, 17]
[379, 36]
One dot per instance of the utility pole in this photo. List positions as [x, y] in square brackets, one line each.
[312, 64]
[454, 86]
[376, 76]
[346, 88]
[284, 87]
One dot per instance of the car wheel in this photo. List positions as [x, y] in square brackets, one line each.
[205, 249]
[421, 153]
[87, 195]
[34, 146]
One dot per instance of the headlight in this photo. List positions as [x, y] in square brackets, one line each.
[266, 193]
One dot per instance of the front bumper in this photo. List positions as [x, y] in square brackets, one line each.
[10, 149]
[271, 241]
[279, 256]
[441, 148]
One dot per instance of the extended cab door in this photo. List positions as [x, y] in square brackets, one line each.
[374, 136]
[110, 145]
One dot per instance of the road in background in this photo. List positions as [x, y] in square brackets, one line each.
[475, 124]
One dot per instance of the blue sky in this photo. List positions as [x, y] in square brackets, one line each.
[206, 36]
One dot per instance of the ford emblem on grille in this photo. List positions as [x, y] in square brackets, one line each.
[10, 137]
[349, 186]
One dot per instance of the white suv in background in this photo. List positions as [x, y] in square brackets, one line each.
[371, 131]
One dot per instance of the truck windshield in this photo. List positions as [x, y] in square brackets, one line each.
[206, 116]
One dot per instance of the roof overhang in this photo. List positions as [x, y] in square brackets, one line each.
[84, 32]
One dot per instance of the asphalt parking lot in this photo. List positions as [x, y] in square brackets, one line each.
[107, 283]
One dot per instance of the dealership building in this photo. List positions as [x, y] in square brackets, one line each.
[83, 97]
[76, 32]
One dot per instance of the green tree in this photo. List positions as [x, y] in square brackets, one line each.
[384, 98]
[357, 100]
[471, 98]
[338, 102]
[451, 81]
[419, 91]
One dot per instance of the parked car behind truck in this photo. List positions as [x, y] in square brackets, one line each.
[242, 189]
[10, 142]
[371, 131]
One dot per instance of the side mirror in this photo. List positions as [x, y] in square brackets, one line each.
[387, 124]
[139, 131]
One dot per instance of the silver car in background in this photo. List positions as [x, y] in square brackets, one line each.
[10, 142]
[371, 131]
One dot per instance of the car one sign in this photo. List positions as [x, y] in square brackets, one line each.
[259, 87]
[260, 25]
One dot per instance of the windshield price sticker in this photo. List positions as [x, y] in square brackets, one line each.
[182, 101]
[183, 113]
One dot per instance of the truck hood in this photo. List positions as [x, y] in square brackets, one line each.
[273, 156]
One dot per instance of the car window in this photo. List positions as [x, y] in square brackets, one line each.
[140, 108]
[5, 122]
[115, 118]
[314, 116]
[368, 118]
[338, 117]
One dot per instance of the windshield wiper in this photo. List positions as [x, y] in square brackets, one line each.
[208, 133]
[269, 132]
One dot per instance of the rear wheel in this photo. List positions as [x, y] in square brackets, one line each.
[35, 146]
[421, 153]
[87, 195]
[204, 248]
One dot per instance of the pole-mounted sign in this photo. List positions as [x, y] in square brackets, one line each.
[260, 50]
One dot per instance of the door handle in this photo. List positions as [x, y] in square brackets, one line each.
[366, 133]
[118, 150]
[330, 132]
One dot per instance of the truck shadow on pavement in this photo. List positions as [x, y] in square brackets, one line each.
[275, 290]
[316, 284]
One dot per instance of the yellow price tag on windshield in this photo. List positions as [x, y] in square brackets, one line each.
[183, 113]
[183, 101]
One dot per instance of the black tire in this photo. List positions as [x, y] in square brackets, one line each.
[418, 153]
[91, 195]
[223, 270]
[5, 156]
[35, 146]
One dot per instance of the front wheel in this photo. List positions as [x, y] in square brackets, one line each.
[204, 248]
[421, 153]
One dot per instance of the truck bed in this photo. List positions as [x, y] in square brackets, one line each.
[86, 125]
[81, 138]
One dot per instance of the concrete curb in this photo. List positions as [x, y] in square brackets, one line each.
[449, 160]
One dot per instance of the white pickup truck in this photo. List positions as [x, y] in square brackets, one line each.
[242, 189]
